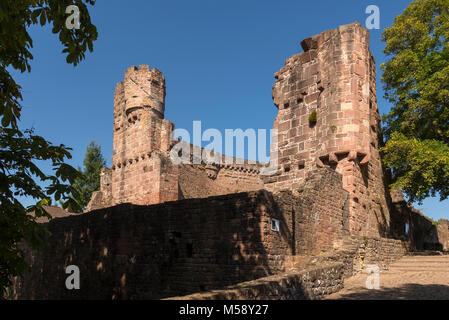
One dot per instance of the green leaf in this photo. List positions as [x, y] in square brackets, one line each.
[22, 151]
[416, 82]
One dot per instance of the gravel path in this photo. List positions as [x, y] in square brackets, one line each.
[411, 278]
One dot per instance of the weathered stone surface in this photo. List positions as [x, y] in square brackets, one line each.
[186, 246]
[156, 229]
[312, 284]
[335, 77]
[421, 232]
[314, 278]
[142, 172]
[151, 252]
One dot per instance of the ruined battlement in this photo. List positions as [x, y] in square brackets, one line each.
[142, 171]
[326, 98]
[143, 88]
[159, 228]
[327, 117]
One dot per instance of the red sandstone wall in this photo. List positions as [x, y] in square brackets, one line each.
[200, 181]
[320, 214]
[423, 233]
[142, 172]
[140, 135]
[310, 284]
[319, 277]
[150, 252]
[225, 175]
[177, 248]
[443, 234]
[334, 77]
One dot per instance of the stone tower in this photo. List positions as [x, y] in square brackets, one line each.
[142, 171]
[141, 137]
[328, 116]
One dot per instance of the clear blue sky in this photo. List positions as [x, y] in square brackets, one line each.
[218, 58]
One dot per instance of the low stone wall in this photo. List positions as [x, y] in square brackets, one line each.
[152, 252]
[382, 252]
[197, 245]
[422, 233]
[183, 247]
[443, 234]
[314, 277]
[312, 284]
[358, 252]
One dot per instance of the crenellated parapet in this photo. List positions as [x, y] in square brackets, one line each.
[144, 88]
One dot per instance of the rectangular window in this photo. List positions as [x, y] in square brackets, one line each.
[275, 225]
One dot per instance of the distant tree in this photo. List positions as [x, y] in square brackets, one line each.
[89, 180]
[416, 81]
[20, 150]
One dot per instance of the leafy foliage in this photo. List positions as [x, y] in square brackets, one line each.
[18, 172]
[416, 81]
[89, 180]
[20, 151]
[18, 15]
[422, 165]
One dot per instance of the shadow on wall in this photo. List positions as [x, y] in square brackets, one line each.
[188, 246]
[405, 292]
[373, 208]
[382, 222]
[152, 252]
[421, 232]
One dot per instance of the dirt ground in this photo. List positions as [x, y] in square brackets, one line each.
[411, 278]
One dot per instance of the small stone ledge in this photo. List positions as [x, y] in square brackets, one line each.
[311, 284]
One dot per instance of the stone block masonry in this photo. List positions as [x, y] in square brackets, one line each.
[419, 231]
[151, 252]
[141, 135]
[320, 211]
[315, 277]
[312, 284]
[156, 229]
[328, 116]
[142, 172]
[187, 246]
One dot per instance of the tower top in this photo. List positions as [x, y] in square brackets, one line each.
[144, 88]
[144, 69]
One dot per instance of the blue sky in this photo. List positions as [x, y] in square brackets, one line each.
[218, 58]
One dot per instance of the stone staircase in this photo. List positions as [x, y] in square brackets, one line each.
[421, 263]
[424, 276]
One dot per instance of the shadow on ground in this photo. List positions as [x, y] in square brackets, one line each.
[405, 292]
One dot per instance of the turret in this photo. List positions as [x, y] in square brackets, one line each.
[144, 91]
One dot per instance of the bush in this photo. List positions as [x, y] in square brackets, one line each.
[313, 118]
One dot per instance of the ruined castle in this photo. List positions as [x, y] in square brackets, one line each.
[157, 229]
[334, 79]
[142, 172]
